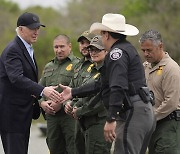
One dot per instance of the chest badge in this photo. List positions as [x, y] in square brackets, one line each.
[115, 54]
[69, 67]
[159, 71]
[96, 75]
[90, 67]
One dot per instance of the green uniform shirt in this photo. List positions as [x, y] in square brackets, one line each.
[59, 72]
[81, 71]
[86, 108]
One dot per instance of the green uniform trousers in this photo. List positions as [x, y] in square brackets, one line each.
[79, 139]
[60, 134]
[166, 138]
[95, 142]
[94, 136]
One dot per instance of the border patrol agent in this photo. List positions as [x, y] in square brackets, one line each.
[60, 126]
[130, 121]
[163, 78]
[93, 117]
[81, 71]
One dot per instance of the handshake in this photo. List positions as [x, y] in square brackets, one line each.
[55, 99]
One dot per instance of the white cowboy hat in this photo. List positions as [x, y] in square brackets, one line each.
[114, 23]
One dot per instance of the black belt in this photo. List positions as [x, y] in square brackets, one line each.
[173, 115]
[135, 98]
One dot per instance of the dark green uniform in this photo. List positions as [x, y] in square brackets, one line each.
[92, 117]
[60, 127]
[82, 70]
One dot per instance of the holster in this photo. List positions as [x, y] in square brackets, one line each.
[146, 95]
[127, 104]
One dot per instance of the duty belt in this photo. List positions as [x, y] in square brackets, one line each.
[173, 115]
[135, 98]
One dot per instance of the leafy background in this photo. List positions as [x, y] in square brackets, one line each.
[78, 15]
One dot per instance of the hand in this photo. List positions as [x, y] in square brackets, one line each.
[74, 112]
[47, 108]
[109, 131]
[56, 106]
[52, 94]
[68, 108]
[66, 94]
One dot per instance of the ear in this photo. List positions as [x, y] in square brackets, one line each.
[106, 35]
[161, 46]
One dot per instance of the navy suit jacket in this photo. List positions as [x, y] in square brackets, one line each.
[18, 82]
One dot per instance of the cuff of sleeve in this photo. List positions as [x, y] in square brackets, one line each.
[74, 92]
[113, 113]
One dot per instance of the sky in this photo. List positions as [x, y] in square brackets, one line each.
[23, 4]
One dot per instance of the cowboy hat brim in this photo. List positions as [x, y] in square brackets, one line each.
[130, 30]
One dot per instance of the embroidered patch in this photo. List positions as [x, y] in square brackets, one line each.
[96, 75]
[115, 54]
[159, 71]
[69, 67]
[90, 67]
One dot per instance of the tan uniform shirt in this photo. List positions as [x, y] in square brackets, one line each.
[164, 80]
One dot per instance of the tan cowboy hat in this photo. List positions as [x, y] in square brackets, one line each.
[114, 23]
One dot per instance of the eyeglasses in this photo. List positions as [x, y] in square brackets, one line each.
[96, 50]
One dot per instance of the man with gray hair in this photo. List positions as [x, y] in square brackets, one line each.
[19, 87]
[130, 118]
[163, 78]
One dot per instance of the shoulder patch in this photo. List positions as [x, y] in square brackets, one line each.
[115, 54]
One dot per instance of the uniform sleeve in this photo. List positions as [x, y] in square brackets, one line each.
[42, 82]
[89, 88]
[117, 71]
[93, 106]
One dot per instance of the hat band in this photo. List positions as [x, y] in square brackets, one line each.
[120, 30]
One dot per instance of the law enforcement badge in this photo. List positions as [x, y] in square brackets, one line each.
[69, 67]
[115, 54]
[159, 71]
[90, 67]
[96, 75]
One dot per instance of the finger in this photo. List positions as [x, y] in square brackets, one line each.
[55, 98]
[54, 87]
[111, 138]
[62, 86]
[114, 134]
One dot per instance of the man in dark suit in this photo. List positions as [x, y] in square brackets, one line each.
[18, 86]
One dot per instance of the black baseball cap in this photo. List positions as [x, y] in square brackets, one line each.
[29, 20]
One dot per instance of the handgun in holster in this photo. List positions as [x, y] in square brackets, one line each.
[147, 95]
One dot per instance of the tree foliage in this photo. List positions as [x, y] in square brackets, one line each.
[80, 14]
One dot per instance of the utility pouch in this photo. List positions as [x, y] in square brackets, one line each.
[145, 94]
[177, 115]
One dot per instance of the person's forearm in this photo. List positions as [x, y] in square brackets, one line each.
[86, 90]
